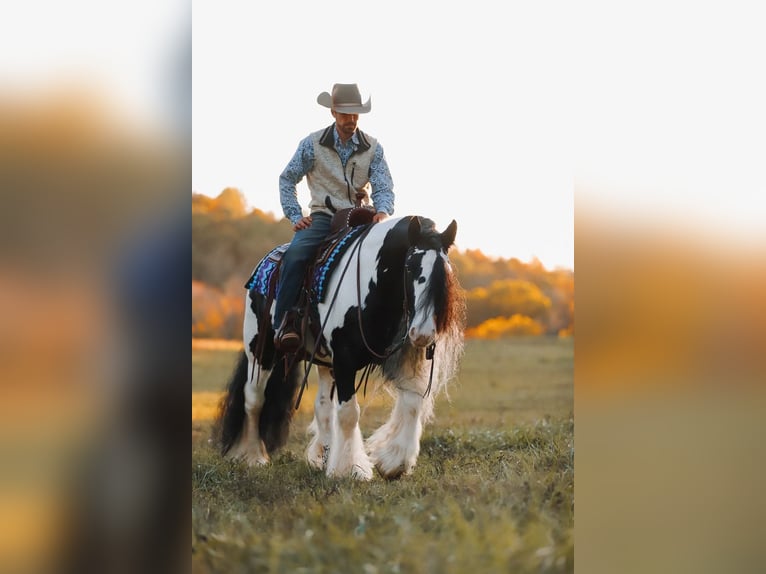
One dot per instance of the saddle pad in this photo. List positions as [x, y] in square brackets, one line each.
[261, 277]
[328, 261]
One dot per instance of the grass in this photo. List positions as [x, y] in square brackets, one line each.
[493, 490]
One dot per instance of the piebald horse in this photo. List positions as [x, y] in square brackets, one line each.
[391, 303]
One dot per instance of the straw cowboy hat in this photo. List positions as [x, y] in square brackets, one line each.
[345, 99]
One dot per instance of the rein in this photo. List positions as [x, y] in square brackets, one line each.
[320, 337]
[392, 348]
[396, 346]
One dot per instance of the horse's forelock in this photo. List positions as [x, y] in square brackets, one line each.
[445, 294]
[443, 291]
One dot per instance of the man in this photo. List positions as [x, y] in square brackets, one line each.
[341, 163]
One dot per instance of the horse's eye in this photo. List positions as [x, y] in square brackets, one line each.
[422, 280]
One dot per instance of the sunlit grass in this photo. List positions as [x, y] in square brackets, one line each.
[205, 405]
[493, 489]
[486, 501]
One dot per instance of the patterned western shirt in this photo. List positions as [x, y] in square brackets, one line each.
[302, 162]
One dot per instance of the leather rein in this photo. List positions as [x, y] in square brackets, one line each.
[399, 344]
[394, 346]
[405, 307]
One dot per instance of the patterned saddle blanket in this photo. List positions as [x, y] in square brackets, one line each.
[264, 277]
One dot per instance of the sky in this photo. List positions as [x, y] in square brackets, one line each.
[125, 53]
[504, 116]
[468, 104]
[669, 117]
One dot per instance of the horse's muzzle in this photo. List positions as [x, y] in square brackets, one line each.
[420, 339]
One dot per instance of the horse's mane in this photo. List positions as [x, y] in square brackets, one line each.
[443, 289]
[447, 296]
[445, 293]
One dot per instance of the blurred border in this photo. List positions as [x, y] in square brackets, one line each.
[94, 294]
[669, 395]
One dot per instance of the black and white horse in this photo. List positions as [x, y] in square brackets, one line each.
[391, 303]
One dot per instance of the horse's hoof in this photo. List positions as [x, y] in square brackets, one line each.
[356, 472]
[255, 460]
[393, 474]
[359, 473]
[318, 460]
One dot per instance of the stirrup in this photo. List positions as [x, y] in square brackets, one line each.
[288, 337]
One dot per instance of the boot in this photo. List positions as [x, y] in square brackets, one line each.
[288, 336]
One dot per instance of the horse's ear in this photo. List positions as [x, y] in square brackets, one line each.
[413, 233]
[448, 235]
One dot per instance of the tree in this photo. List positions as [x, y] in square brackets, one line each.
[231, 201]
[506, 298]
[228, 241]
[499, 327]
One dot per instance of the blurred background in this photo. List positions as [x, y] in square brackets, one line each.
[95, 108]
[667, 131]
[670, 250]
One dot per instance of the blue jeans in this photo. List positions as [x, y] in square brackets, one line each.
[302, 251]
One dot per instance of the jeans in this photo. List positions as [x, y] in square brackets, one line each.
[302, 251]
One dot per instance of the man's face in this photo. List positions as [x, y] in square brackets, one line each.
[346, 123]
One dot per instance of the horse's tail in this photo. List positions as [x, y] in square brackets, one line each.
[279, 400]
[231, 414]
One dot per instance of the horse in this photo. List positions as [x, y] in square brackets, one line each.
[392, 304]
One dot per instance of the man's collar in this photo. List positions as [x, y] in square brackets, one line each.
[354, 137]
[327, 139]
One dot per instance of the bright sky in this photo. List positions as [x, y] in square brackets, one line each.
[128, 53]
[468, 102]
[670, 122]
[492, 113]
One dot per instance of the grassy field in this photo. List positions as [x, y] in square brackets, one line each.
[493, 490]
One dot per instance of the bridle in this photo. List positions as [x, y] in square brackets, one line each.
[391, 349]
[405, 319]
[406, 308]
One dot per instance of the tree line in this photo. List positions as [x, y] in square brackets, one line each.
[504, 297]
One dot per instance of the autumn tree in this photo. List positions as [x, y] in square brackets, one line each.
[231, 202]
[499, 327]
[228, 240]
[225, 246]
[505, 298]
[216, 313]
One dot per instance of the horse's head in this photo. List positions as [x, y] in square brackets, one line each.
[429, 281]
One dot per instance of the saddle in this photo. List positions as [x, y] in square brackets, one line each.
[346, 225]
[350, 216]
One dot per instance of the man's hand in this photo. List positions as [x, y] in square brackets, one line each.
[303, 223]
[380, 216]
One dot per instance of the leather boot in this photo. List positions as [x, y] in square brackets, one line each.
[288, 336]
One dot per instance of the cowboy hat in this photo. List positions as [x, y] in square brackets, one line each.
[345, 99]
